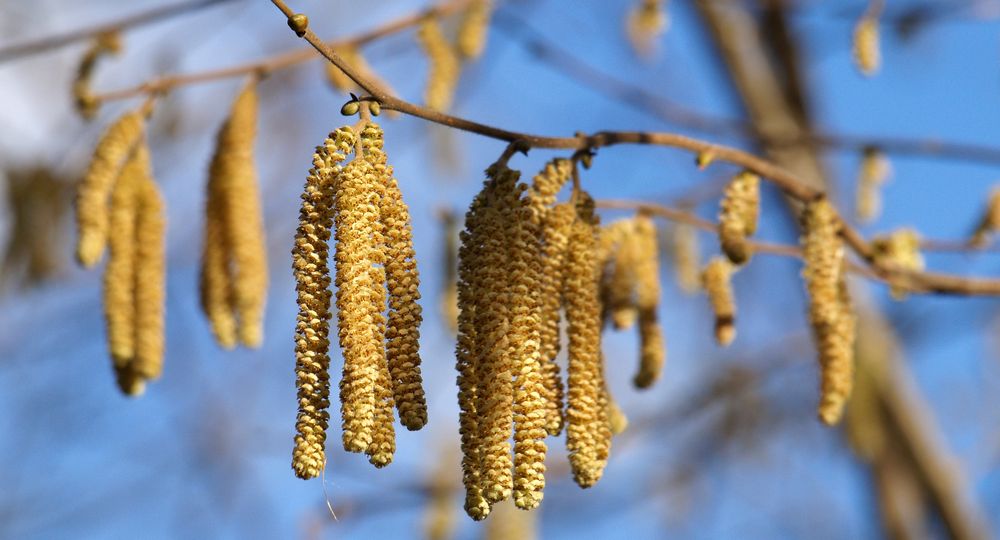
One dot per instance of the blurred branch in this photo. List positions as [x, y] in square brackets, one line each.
[21, 50]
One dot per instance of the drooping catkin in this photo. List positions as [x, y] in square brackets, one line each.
[150, 273]
[530, 403]
[865, 47]
[103, 44]
[620, 287]
[646, 23]
[494, 347]
[989, 223]
[685, 251]
[234, 257]
[874, 172]
[470, 284]
[738, 216]
[718, 286]
[829, 306]
[312, 276]
[119, 277]
[405, 315]
[444, 65]
[360, 299]
[473, 28]
[899, 250]
[652, 349]
[586, 419]
[92, 196]
[555, 238]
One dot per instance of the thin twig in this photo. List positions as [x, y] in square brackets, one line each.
[29, 48]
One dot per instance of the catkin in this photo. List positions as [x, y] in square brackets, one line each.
[899, 250]
[652, 349]
[685, 249]
[866, 45]
[150, 274]
[620, 287]
[829, 306]
[472, 30]
[555, 238]
[234, 257]
[586, 419]
[738, 216]
[119, 274]
[405, 315]
[444, 65]
[360, 299]
[646, 22]
[874, 172]
[717, 283]
[312, 276]
[92, 197]
[989, 223]
[104, 44]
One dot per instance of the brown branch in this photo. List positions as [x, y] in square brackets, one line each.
[29, 48]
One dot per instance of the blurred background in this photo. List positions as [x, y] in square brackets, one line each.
[726, 445]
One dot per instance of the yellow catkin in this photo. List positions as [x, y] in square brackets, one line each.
[530, 403]
[586, 418]
[494, 345]
[718, 286]
[899, 250]
[473, 28]
[989, 223]
[684, 246]
[150, 273]
[652, 349]
[555, 238]
[119, 276]
[874, 172]
[360, 282]
[829, 306]
[738, 216]
[444, 65]
[234, 259]
[867, 56]
[312, 276]
[617, 420]
[405, 315]
[104, 44]
[620, 287]
[471, 273]
[92, 196]
[646, 22]
[552, 230]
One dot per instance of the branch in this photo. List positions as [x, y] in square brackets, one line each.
[21, 50]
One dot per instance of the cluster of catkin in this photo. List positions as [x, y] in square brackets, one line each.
[630, 289]
[378, 316]
[233, 279]
[830, 312]
[119, 208]
[524, 262]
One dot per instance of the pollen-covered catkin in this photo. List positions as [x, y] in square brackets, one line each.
[874, 172]
[405, 315]
[150, 273]
[652, 349]
[530, 412]
[493, 316]
[867, 56]
[473, 28]
[312, 276]
[899, 250]
[469, 286]
[586, 419]
[555, 237]
[215, 284]
[829, 306]
[989, 223]
[444, 65]
[119, 274]
[718, 286]
[360, 299]
[738, 216]
[92, 197]
[620, 287]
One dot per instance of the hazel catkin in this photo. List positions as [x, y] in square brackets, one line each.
[899, 250]
[444, 65]
[150, 274]
[652, 349]
[865, 46]
[473, 28]
[555, 230]
[113, 148]
[829, 306]
[738, 216]
[716, 279]
[119, 274]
